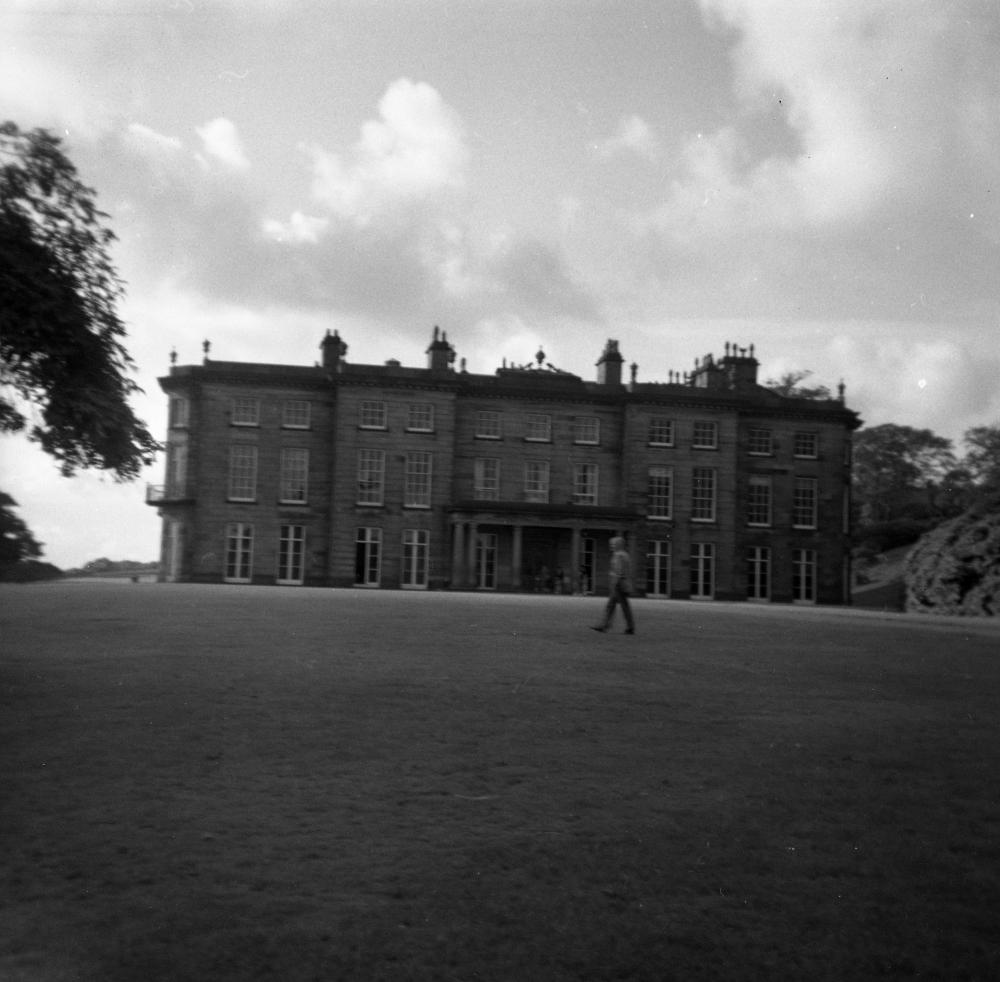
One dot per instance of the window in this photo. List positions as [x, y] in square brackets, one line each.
[486, 479]
[368, 557]
[291, 555]
[246, 412]
[239, 552]
[759, 442]
[294, 475]
[371, 415]
[488, 426]
[660, 493]
[420, 417]
[371, 477]
[587, 429]
[706, 434]
[242, 472]
[702, 570]
[805, 445]
[538, 428]
[585, 484]
[176, 471]
[658, 568]
[417, 480]
[179, 412]
[295, 414]
[759, 500]
[703, 494]
[804, 503]
[536, 480]
[759, 573]
[804, 576]
[415, 552]
[661, 431]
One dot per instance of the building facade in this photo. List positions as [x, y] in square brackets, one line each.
[431, 478]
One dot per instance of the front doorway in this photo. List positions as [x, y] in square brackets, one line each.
[486, 561]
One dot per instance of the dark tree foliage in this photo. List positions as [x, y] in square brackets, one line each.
[982, 457]
[61, 340]
[16, 541]
[790, 384]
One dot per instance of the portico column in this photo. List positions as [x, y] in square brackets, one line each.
[515, 558]
[471, 565]
[457, 555]
[574, 558]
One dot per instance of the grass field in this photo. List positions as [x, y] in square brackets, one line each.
[227, 783]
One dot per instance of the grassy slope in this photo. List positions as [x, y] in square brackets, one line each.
[226, 783]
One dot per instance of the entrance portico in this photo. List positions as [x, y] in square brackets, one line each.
[528, 546]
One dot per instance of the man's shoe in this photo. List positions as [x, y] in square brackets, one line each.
[596, 628]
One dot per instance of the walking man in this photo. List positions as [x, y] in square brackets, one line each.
[620, 587]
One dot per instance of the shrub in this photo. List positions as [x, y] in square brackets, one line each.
[28, 571]
[955, 569]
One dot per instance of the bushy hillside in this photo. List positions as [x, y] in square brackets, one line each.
[955, 569]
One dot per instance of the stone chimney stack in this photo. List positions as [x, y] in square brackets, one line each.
[609, 365]
[440, 354]
[333, 351]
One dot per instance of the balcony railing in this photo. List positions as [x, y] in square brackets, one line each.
[167, 494]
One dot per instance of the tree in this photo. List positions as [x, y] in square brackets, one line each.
[16, 541]
[899, 471]
[982, 456]
[61, 340]
[789, 385]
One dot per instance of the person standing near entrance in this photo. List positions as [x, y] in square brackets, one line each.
[620, 583]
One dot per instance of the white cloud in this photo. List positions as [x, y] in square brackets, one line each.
[149, 142]
[634, 135]
[412, 152]
[221, 141]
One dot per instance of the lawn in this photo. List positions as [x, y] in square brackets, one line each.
[228, 783]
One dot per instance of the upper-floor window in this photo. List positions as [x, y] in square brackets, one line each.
[804, 503]
[586, 429]
[585, 484]
[420, 417]
[538, 427]
[536, 480]
[179, 412]
[703, 494]
[242, 472]
[372, 415]
[294, 475]
[760, 441]
[246, 412]
[661, 431]
[486, 479]
[706, 434]
[417, 480]
[805, 444]
[488, 424]
[371, 477]
[660, 498]
[295, 414]
[759, 500]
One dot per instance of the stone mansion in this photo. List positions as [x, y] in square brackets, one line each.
[435, 478]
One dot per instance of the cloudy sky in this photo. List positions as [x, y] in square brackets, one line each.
[819, 178]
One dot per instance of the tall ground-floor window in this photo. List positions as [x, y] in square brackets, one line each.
[486, 560]
[588, 563]
[368, 557]
[291, 555]
[658, 568]
[759, 573]
[702, 570]
[804, 575]
[416, 546]
[239, 552]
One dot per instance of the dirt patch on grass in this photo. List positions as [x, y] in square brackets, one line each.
[295, 784]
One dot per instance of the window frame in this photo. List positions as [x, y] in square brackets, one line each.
[426, 409]
[760, 481]
[373, 409]
[244, 411]
[755, 451]
[370, 465]
[418, 476]
[698, 501]
[288, 421]
[481, 490]
[803, 484]
[654, 513]
[655, 423]
[236, 482]
[541, 493]
[287, 479]
[581, 482]
[705, 425]
[535, 423]
[291, 559]
[179, 413]
[483, 432]
[583, 425]
[238, 556]
[805, 435]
